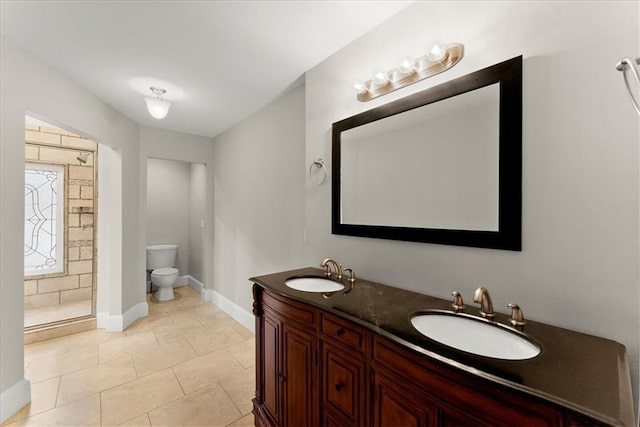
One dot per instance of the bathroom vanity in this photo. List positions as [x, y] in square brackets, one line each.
[352, 358]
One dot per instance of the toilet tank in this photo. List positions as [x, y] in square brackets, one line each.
[161, 256]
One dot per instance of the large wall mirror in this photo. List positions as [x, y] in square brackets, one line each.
[440, 166]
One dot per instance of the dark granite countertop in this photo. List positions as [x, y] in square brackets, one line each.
[584, 373]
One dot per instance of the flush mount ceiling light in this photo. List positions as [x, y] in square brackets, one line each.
[158, 107]
[438, 58]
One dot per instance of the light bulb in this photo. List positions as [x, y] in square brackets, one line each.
[406, 65]
[436, 52]
[360, 87]
[380, 78]
[158, 108]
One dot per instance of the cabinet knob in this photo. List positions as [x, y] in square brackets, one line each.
[340, 332]
[339, 386]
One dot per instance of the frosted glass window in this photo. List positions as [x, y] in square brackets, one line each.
[44, 219]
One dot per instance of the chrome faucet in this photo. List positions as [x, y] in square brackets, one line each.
[481, 295]
[327, 268]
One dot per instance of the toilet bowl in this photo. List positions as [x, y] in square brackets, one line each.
[164, 278]
[160, 261]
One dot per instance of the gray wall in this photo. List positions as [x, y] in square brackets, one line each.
[579, 264]
[259, 174]
[196, 152]
[168, 207]
[197, 215]
[29, 86]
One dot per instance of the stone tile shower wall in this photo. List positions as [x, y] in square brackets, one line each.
[57, 146]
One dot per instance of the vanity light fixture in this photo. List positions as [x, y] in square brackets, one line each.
[158, 107]
[438, 58]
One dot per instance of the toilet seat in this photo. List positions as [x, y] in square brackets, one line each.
[165, 271]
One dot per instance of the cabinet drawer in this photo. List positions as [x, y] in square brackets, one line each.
[300, 313]
[343, 385]
[343, 332]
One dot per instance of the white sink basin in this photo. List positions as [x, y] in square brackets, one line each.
[474, 335]
[313, 284]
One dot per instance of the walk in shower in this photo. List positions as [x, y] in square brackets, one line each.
[59, 226]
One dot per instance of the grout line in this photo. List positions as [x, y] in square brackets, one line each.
[100, 406]
[178, 380]
[58, 391]
[231, 399]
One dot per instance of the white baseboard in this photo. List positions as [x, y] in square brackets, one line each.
[119, 322]
[239, 314]
[14, 398]
[196, 285]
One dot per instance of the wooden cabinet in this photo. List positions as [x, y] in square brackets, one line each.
[393, 406]
[460, 398]
[298, 377]
[286, 349]
[315, 368]
[342, 372]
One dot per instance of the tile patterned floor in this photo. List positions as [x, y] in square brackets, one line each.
[187, 363]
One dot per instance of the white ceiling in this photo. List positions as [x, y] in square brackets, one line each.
[220, 61]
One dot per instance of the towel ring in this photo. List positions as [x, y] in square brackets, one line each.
[319, 164]
[628, 64]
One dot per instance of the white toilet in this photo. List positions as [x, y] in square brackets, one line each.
[160, 260]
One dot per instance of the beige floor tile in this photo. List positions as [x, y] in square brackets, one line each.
[197, 312]
[180, 331]
[149, 322]
[141, 421]
[163, 357]
[71, 343]
[241, 329]
[209, 407]
[215, 320]
[58, 364]
[157, 307]
[43, 398]
[244, 352]
[183, 297]
[241, 388]
[206, 370]
[84, 412]
[128, 345]
[69, 368]
[216, 340]
[186, 293]
[79, 384]
[137, 397]
[246, 421]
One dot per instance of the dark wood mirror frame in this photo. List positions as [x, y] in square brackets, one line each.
[509, 234]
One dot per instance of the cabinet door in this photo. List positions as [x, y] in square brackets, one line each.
[393, 406]
[298, 358]
[271, 367]
[343, 384]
